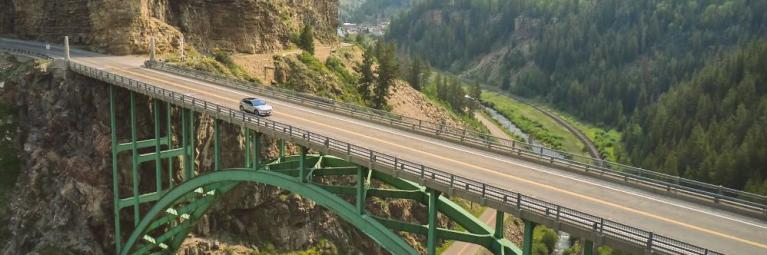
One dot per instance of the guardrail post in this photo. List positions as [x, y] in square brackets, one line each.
[648, 246]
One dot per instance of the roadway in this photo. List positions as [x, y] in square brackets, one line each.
[700, 225]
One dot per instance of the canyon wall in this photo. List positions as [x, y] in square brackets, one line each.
[125, 26]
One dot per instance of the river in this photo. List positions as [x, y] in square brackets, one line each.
[563, 242]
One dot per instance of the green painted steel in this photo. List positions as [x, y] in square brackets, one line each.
[115, 173]
[368, 225]
[588, 247]
[216, 145]
[302, 166]
[169, 128]
[527, 239]
[498, 224]
[134, 158]
[431, 241]
[157, 142]
[177, 206]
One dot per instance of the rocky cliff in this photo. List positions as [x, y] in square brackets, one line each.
[124, 26]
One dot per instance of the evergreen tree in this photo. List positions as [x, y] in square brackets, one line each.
[306, 40]
[387, 73]
[506, 84]
[367, 78]
[415, 76]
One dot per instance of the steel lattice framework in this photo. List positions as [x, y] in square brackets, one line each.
[182, 195]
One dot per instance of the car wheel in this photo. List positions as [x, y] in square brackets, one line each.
[242, 108]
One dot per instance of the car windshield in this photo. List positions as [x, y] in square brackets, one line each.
[258, 102]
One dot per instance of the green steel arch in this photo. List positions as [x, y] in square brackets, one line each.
[368, 225]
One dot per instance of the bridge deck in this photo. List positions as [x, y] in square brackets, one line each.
[701, 225]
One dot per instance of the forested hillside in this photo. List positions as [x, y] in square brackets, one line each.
[712, 127]
[632, 65]
[372, 11]
[601, 59]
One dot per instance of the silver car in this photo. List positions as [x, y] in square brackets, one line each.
[256, 106]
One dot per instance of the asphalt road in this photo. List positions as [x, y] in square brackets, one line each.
[701, 225]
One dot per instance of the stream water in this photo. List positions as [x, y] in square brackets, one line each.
[563, 241]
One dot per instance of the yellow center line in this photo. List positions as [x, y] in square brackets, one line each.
[545, 186]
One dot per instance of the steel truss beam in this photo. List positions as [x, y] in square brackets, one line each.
[178, 203]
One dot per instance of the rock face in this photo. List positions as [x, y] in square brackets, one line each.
[62, 203]
[124, 26]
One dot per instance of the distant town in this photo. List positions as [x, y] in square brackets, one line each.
[355, 29]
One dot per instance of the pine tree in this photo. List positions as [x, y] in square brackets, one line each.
[367, 77]
[306, 40]
[506, 83]
[387, 73]
[416, 73]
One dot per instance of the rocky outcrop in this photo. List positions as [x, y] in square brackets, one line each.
[125, 26]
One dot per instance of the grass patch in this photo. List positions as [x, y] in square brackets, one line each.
[430, 91]
[607, 141]
[220, 63]
[505, 130]
[533, 122]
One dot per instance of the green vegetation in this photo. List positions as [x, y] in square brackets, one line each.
[608, 142]
[375, 88]
[544, 240]
[306, 39]
[534, 123]
[324, 247]
[371, 11]
[449, 93]
[682, 80]
[305, 73]
[712, 127]
[220, 62]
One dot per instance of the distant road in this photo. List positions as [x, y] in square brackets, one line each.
[697, 224]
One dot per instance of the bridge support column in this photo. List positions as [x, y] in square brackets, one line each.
[281, 145]
[246, 136]
[431, 242]
[134, 159]
[302, 164]
[256, 149]
[498, 224]
[157, 161]
[187, 130]
[217, 145]
[169, 128]
[115, 173]
[361, 189]
[588, 247]
[527, 241]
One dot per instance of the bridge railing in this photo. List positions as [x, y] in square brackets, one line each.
[26, 53]
[412, 171]
[659, 181]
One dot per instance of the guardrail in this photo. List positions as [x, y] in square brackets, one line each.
[659, 181]
[410, 170]
[26, 53]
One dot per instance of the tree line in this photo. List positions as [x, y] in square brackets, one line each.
[631, 65]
